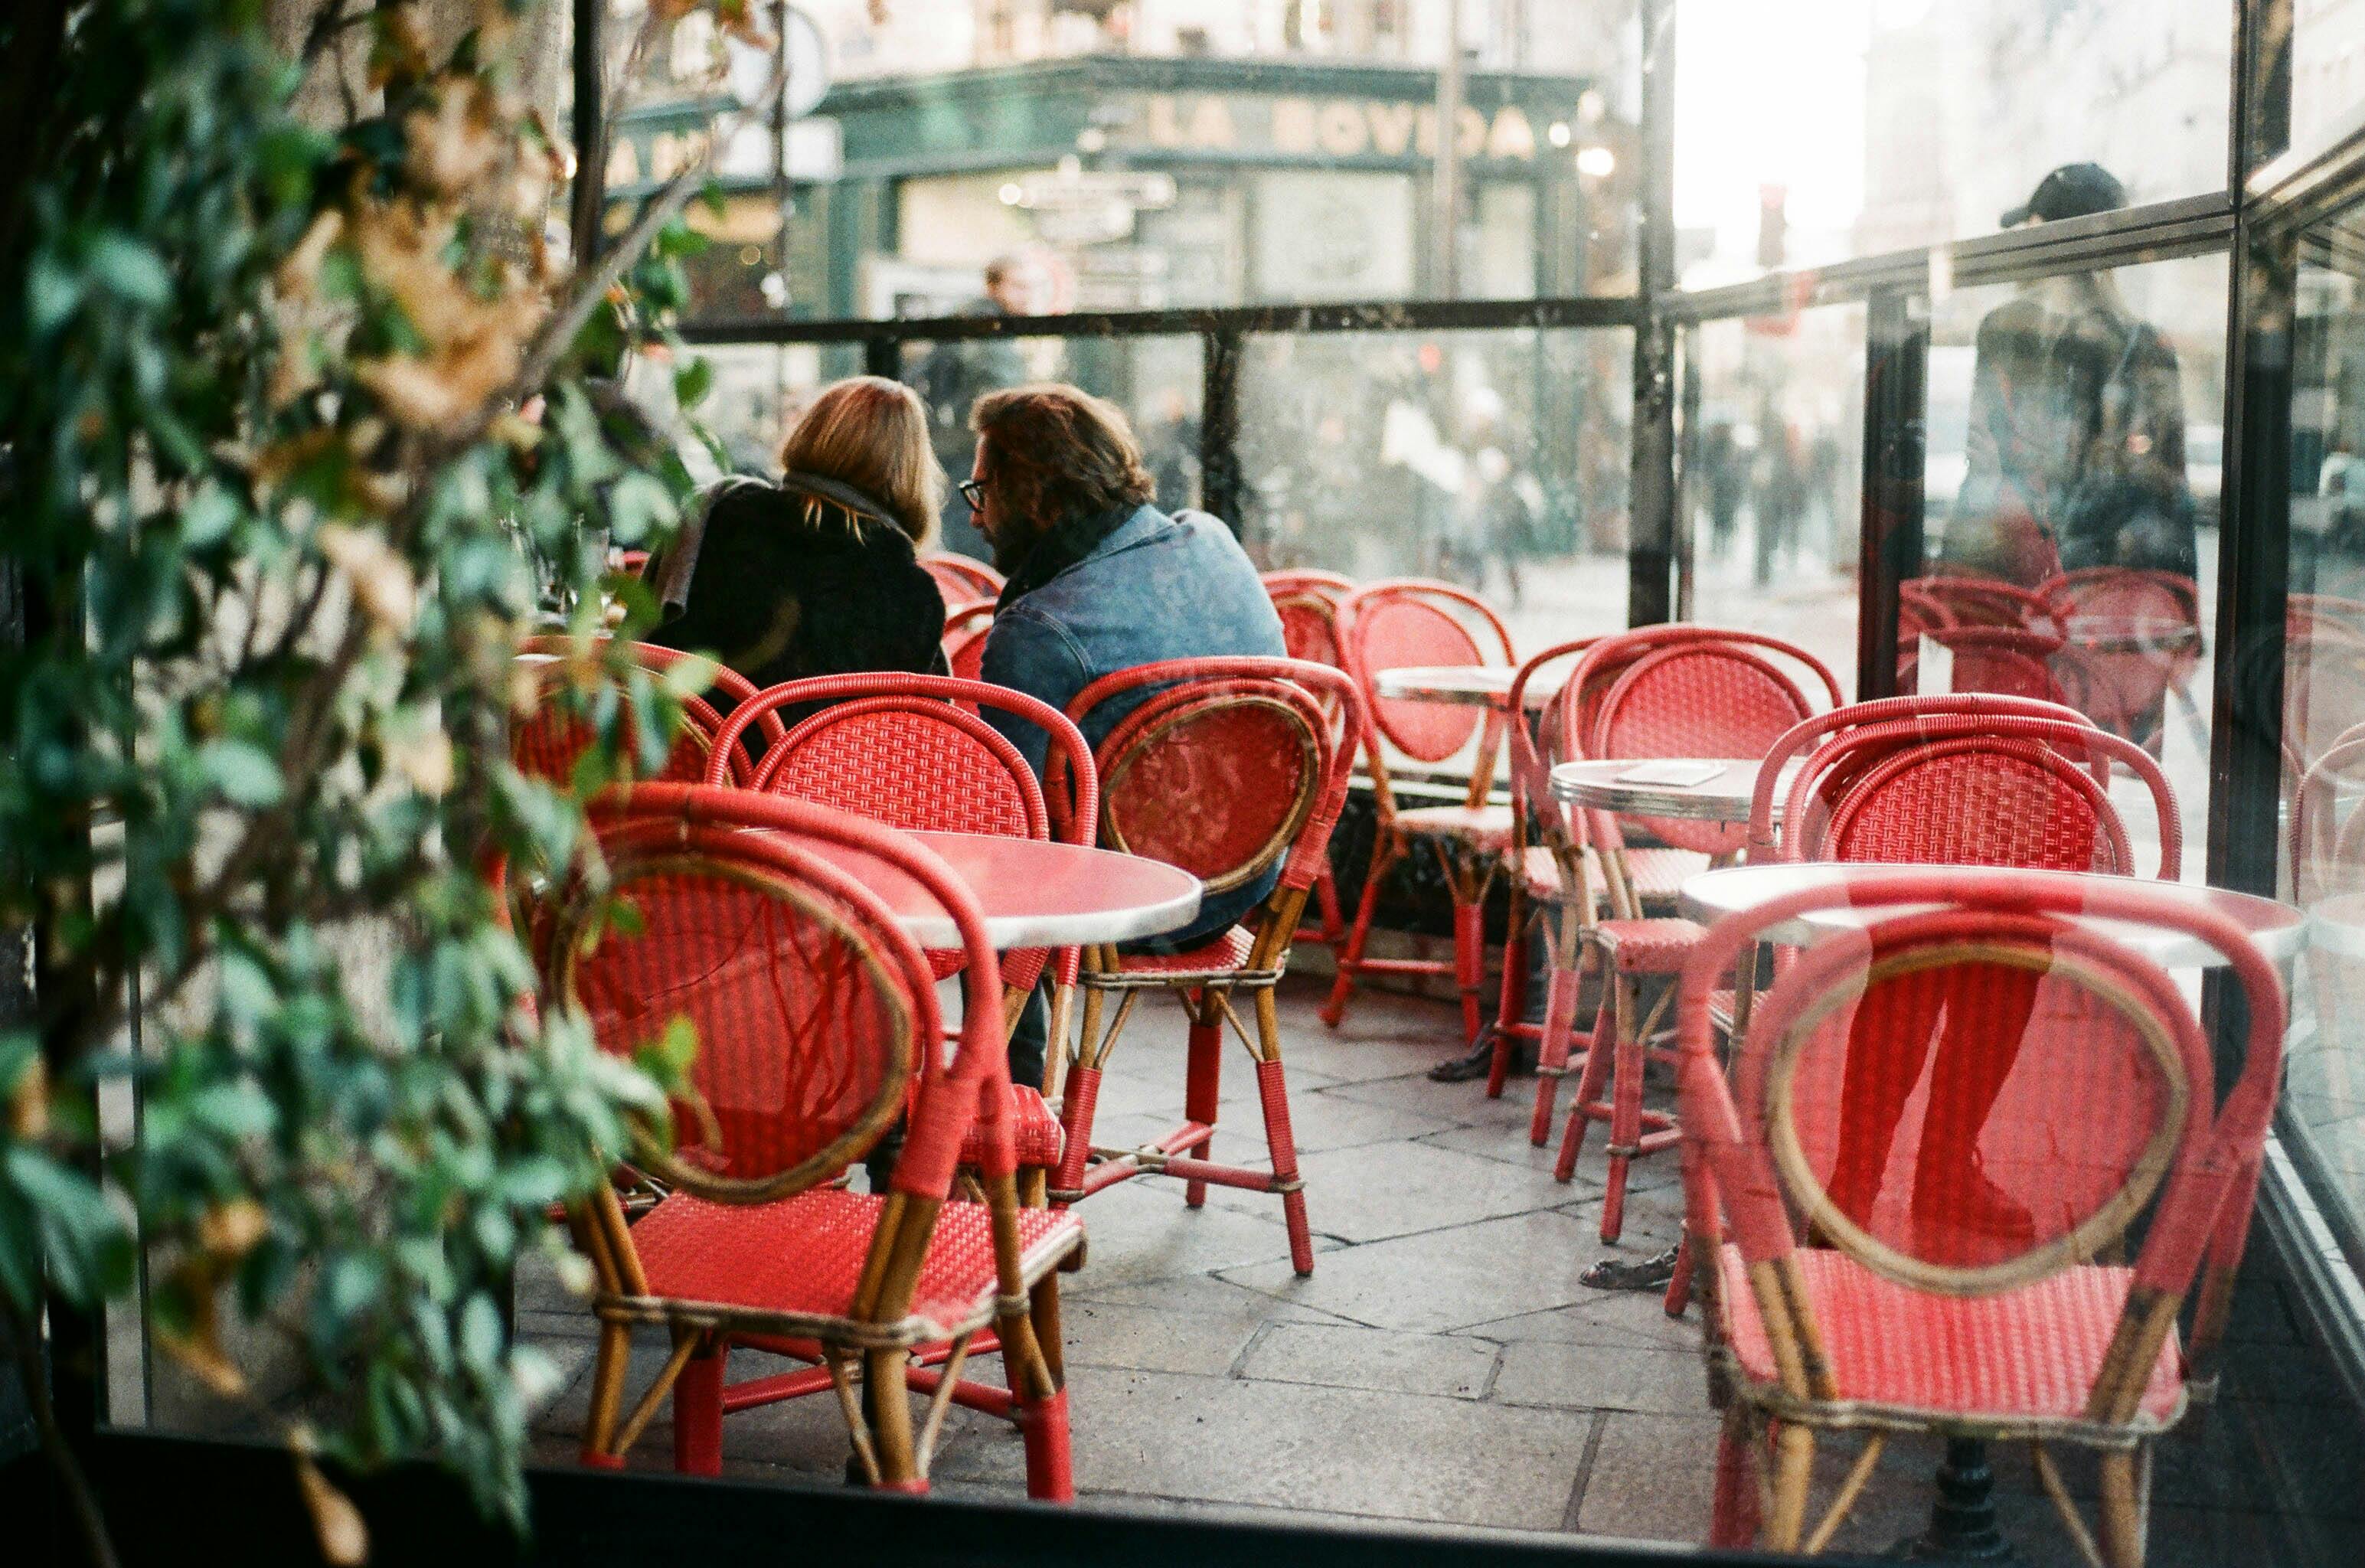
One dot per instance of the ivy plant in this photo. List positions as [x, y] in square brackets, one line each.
[281, 395]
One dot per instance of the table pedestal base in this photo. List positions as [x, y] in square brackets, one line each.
[1962, 1521]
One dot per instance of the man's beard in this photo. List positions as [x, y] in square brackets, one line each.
[1011, 547]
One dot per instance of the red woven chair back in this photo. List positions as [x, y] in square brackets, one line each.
[1978, 789]
[966, 628]
[2070, 1090]
[1232, 765]
[1309, 625]
[548, 745]
[959, 578]
[2005, 660]
[1688, 691]
[1395, 625]
[813, 1015]
[547, 742]
[912, 751]
[1823, 775]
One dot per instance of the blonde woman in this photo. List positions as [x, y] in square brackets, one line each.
[817, 574]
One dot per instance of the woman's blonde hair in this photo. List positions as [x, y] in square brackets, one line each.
[872, 433]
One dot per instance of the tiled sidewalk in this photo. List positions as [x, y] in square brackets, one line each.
[1442, 1367]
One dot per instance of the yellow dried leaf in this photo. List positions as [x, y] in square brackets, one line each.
[199, 1354]
[411, 392]
[380, 580]
[300, 269]
[453, 145]
[336, 1523]
[28, 1103]
[426, 760]
[232, 1230]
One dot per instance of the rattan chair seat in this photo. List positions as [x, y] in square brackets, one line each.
[1482, 828]
[2026, 1357]
[1648, 947]
[800, 1260]
[1224, 955]
[1035, 1125]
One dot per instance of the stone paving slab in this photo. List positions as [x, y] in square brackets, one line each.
[1282, 1444]
[1446, 1366]
[1373, 1191]
[1442, 1279]
[1602, 1377]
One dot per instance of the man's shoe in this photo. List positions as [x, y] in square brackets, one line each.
[1481, 1061]
[1650, 1273]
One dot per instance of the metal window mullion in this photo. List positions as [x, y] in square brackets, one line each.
[1889, 546]
[1650, 489]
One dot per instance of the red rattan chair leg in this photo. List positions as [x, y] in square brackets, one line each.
[1350, 957]
[1732, 1520]
[1679, 1284]
[1552, 1052]
[1204, 1081]
[1050, 1470]
[1589, 1084]
[1079, 1098]
[1511, 1009]
[1470, 964]
[1334, 922]
[1281, 1142]
[697, 1413]
[1625, 1112]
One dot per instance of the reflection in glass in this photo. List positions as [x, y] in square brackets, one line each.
[1148, 156]
[1496, 460]
[2324, 719]
[1807, 134]
[1771, 453]
[2070, 493]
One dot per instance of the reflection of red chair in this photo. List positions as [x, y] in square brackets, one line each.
[1394, 625]
[2087, 1101]
[1663, 692]
[2134, 637]
[1228, 768]
[2006, 660]
[961, 578]
[817, 1028]
[2327, 868]
[890, 747]
[1969, 600]
[573, 706]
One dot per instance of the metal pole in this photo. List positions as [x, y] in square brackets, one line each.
[1895, 400]
[1650, 558]
[1445, 238]
[591, 133]
[1221, 488]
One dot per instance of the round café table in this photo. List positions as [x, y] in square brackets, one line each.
[1467, 686]
[1033, 894]
[1721, 798]
[1962, 1520]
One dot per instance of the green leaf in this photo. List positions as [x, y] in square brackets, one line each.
[130, 270]
[692, 382]
[244, 773]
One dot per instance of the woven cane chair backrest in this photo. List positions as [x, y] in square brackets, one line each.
[1977, 790]
[2003, 660]
[967, 625]
[1230, 766]
[1968, 1104]
[547, 742]
[558, 738]
[1970, 1098]
[764, 923]
[808, 1003]
[1971, 601]
[1397, 626]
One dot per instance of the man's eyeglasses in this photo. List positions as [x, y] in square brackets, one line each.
[973, 492]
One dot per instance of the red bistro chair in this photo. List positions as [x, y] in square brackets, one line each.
[817, 1028]
[960, 578]
[1389, 626]
[1308, 602]
[1661, 691]
[891, 747]
[2152, 622]
[572, 700]
[1920, 1314]
[966, 627]
[1972, 600]
[1229, 767]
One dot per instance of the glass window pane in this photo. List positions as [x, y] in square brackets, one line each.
[1495, 459]
[2323, 693]
[1772, 452]
[2070, 537]
[1139, 156]
[1807, 134]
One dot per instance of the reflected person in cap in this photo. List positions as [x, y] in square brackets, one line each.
[2075, 454]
